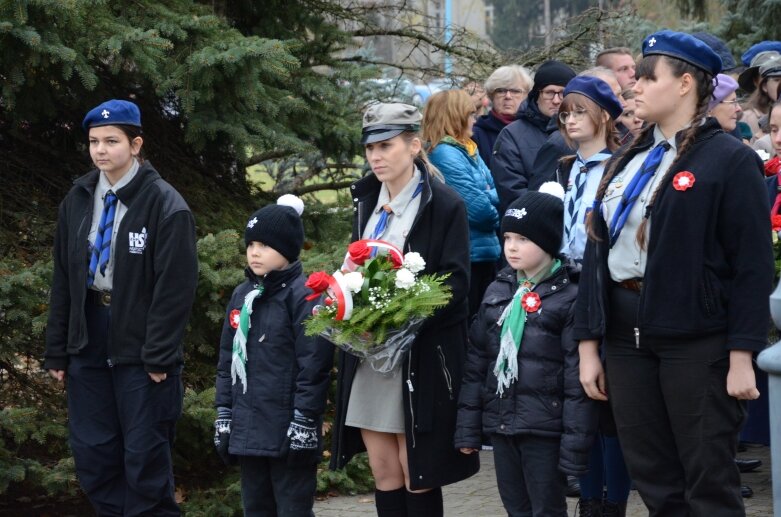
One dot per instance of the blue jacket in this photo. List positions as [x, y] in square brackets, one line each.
[472, 180]
[484, 133]
[286, 369]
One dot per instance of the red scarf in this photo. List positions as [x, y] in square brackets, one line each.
[504, 118]
[773, 166]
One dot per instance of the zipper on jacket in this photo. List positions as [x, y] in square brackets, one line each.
[637, 337]
[409, 395]
[445, 371]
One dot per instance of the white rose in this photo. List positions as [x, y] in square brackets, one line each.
[404, 278]
[354, 281]
[414, 262]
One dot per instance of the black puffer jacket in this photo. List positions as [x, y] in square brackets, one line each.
[286, 370]
[547, 399]
[515, 151]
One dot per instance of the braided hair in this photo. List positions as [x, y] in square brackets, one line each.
[704, 84]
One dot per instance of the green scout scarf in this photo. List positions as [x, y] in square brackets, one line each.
[513, 321]
[239, 356]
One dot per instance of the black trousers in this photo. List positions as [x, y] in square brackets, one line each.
[677, 425]
[271, 488]
[528, 477]
[121, 427]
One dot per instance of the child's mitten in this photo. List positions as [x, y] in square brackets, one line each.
[222, 432]
[304, 440]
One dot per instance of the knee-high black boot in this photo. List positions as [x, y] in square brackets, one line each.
[391, 503]
[425, 504]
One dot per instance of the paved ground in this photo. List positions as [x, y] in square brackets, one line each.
[477, 496]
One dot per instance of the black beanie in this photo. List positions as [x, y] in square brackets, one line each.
[538, 216]
[278, 226]
[551, 72]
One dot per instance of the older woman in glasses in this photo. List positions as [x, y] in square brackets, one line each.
[724, 105]
[507, 88]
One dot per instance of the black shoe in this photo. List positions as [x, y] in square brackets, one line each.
[611, 509]
[745, 491]
[573, 486]
[748, 465]
[589, 508]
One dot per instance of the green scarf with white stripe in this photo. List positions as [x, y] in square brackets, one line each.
[239, 356]
[513, 321]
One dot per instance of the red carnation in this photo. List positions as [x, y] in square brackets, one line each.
[234, 318]
[684, 180]
[776, 222]
[318, 283]
[359, 252]
[531, 302]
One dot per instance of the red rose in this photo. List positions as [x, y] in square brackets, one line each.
[318, 283]
[531, 302]
[776, 222]
[684, 180]
[359, 252]
[396, 260]
[234, 318]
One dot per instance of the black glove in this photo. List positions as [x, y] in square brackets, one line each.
[304, 441]
[222, 432]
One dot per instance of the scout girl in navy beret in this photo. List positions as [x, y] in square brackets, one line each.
[125, 272]
[587, 119]
[676, 279]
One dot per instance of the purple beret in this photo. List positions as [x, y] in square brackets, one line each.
[724, 87]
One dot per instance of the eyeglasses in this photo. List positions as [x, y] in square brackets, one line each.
[734, 103]
[548, 95]
[515, 92]
[576, 115]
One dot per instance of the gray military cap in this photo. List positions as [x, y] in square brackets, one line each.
[383, 121]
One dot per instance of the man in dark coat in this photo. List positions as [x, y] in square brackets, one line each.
[517, 145]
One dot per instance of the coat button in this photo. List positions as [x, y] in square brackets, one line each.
[501, 427]
[420, 477]
[411, 374]
[553, 288]
[355, 199]
[352, 187]
[355, 209]
[637, 262]
[564, 281]
[555, 403]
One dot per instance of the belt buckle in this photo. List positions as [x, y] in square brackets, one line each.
[104, 297]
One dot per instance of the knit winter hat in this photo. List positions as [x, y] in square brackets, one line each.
[278, 226]
[551, 72]
[538, 216]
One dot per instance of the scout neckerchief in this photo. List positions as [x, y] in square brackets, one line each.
[239, 356]
[635, 188]
[572, 208]
[513, 321]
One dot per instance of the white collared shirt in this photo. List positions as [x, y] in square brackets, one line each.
[104, 282]
[626, 260]
[405, 207]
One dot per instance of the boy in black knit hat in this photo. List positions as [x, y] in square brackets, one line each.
[521, 383]
[272, 380]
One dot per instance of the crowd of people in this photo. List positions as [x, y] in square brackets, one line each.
[572, 347]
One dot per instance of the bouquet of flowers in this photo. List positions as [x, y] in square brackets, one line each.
[375, 304]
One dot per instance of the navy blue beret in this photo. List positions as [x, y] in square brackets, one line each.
[762, 46]
[113, 113]
[685, 47]
[598, 91]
